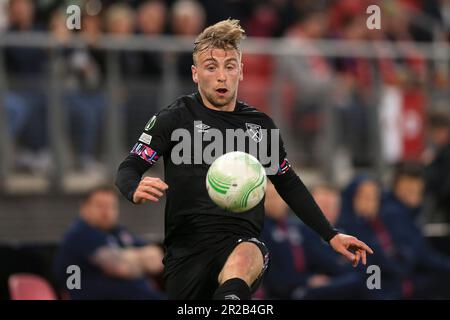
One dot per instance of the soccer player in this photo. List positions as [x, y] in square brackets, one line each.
[210, 252]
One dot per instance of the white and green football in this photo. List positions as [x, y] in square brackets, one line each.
[236, 181]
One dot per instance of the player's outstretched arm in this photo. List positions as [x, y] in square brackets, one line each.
[293, 191]
[296, 195]
[351, 248]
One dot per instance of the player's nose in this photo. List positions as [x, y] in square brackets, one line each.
[221, 77]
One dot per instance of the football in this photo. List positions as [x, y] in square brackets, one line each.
[236, 181]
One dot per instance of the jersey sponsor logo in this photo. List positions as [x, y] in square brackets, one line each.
[145, 138]
[150, 123]
[202, 127]
[254, 131]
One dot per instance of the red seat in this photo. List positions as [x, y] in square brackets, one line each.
[23, 286]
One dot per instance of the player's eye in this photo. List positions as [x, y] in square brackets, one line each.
[231, 67]
[210, 68]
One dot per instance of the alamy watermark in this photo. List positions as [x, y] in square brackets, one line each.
[374, 20]
[373, 282]
[74, 280]
[73, 12]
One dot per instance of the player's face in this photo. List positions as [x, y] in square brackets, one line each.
[101, 210]
[217, 73]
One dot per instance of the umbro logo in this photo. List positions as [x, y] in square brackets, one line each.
[202, 127]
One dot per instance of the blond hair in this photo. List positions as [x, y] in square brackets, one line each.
[226, 34]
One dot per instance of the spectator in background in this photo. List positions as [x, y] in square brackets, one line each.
[360, 214]
[120, 23]
[400, 21]
[187, 20]
[399, 209]
[303, 266]
[328, 199]
[114, 263]
[188, 17]
[119, 20]
[144, 85]
[286, 272]
[354, 95]
[361, 206]
[343, 278]
[407, 193]
[84, 88]
[151, 21]
[312, 76]
[25, 99]
[152, 17]
[438, 159]
[263, 22]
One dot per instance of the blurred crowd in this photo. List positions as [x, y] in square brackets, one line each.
[304, 267]
[403, 19]
[117, 264]
[354, 90]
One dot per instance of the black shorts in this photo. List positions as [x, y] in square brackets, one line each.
[194, 276]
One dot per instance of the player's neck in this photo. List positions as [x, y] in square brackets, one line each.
[227, 108]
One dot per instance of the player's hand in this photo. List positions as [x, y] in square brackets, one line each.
[149, 189]
[351, 248]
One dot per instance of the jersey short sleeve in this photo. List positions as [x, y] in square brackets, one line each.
[155, 139]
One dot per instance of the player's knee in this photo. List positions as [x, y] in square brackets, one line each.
[245, 263]
[242, 263]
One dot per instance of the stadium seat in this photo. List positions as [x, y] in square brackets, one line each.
[24, 286]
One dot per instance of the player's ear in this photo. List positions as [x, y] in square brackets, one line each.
[194, 73]
[241, 76]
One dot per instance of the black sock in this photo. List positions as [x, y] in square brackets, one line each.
[233, 289]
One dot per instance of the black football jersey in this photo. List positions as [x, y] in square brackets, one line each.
[189, 136]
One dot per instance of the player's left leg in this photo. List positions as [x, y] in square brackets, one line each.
[243, 268]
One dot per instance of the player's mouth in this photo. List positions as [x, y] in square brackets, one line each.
[222, 91]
